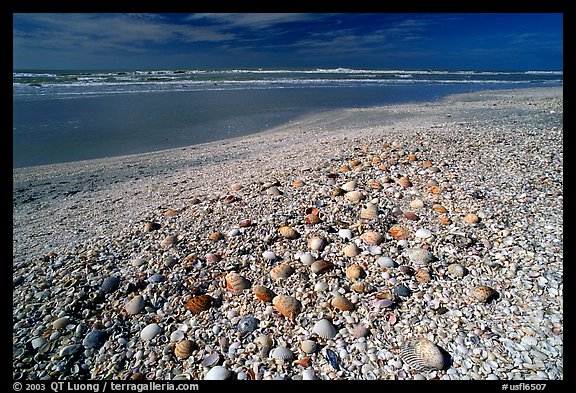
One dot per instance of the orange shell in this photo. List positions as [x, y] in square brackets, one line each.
[236, 283]
[262, 293]
[444, 220]
[215, 236]
[288, 232]
[184, 348]
[199, 303]
[341, 303]
[404, 182]
[355, 272]
[471, 218]
[312, 219]
[435, 190]
[439, 208]
[398, 232]
[287, 305]
[372, 238]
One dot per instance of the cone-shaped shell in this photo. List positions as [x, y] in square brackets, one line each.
[288, 232]
[236, 283]
[262, 293]
[398, 232]
[372, 238]
[423, 355]
[287, 305]
[316, 243]
[351, 250]
[199, 303]
[341, 303]
[355, 272]
[483, 293]
[281, 271]
[321, 266]
[183, 349]
[324, 329]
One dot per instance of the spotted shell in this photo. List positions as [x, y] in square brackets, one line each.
[287, 305]
[288, 232]
[236, 283]
[183, 349]
[355, 272]
[422, 275]
[341, 303]
[199, 303]
[372, 238]
[262, 293]
[324, 329]
[281, 271]
[316, 243]
[354, 196]
[404, 182]
[422, 355]
[351, 250]
[169, 241]
[483, 293]
[471, 218]
[321, 266]
[398, 232]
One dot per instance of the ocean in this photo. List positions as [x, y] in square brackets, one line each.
[63, 116]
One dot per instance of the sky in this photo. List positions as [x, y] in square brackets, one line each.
[462, 41]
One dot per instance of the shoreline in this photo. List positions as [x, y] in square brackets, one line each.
[496, 154]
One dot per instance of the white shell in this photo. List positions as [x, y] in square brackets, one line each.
[150, 331]
[349, 186]
[176, 336]
[135, 305]
[351, 250]
[423, 233]
[282, 353]
[320, 286]
[308, 346]
[456, 270]
[307, 259]
[324, 329]
[420, 256]
[269, 255]
[345, 233]
[217, 373]
[308, 375]
[316, 243]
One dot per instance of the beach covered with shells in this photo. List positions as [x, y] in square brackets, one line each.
[416, 241]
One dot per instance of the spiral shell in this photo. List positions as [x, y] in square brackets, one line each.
[372, 238]
[281, 271]
[287, 305]
[398, 232]
[316, 243]
[236, 283]
[423, 355]
[199, 303]
[262, 293]
[355, 272]
[324, 329]
[288, 232]
[484, 293]
[183, 349]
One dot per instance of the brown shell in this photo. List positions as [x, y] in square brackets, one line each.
[354, 163]
[215, 236]
[372, 238]
[199, 303]
[288, 232]
[281, 271]
[316, 243]
[236, 283]
[341, 303]
[183, 349]
[312, 219]
[435, 190]
[297, 183]
[245, 223]
[343, 169]
[427, 163]
[404, 182]
[262, 293]
[374, 184]
[444, 220]
[355, 272]
[483, 293]
[170, 213]
[439, 208]
[321, 266]
[471, 218]
[351, 250]
[422, 275]
[411, 157]
[338, 191]
[398, 232]
[288, 306]
[169, 241]
[411, 216]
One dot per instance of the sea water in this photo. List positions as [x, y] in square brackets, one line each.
[63, 116]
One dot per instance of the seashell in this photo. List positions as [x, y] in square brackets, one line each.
[273, 191]
[374, 184]
[170, 213]
[248, 324]
[236, 187]
[304, 362]
[316, 243]
[150, 331]
[282, 354]
[423, 233]
[262, 293]
[320, 286]
[308, 375]
[354, 163]
[369, 212]
[61, 323]
[341, 303]
[332, 358]
[372, 238]
[135, 305]
[354, 196]
[360, 331]
[308, 346]
[287, 305]
[288, 232]
[150, 226]
[422, 355]
[212, 257]
[184, 349]
[281, 271]
[245, 223]
[411, 157]
[138, 262]
[345, 233]
[215, 236]
[211, 360]
[236, 283]
[182, 377]
[321, 266]
[217, 373]
[420, 256]
[355, 272]
[156, 278]
[338, 191]
[444, 220]
[398, 232]
[402, 290]
[312, 219]
[349, 186]
[269, 255]
[456, 270]
[359, 287]
[471, 218]
[263, 341]
[435, 190]
[404, 182]
[169, 241]
[324, 329]
[439, 208]
[199, 303]
[176, 336]
[297, 183]
[417, 204]
[427, 163]
[343, 169]
[422, 275]
[351, 250]
[229, 199]
[307, 258]
[411, 216]
[484, 293]
[383, 303]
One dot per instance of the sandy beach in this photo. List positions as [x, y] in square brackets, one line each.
[497, 155]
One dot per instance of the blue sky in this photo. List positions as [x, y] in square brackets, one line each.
[472, 41]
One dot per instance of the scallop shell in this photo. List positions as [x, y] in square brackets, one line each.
[372, 238]
[199, 303]
[423, 355]
[287, 305]
[184, 349]
[341, 303]
[324, 329]
[471, 218]
[262, 293]
[169, 241]
[308, 346]
[217, 373]
[316, 243]
[483, 293]
[281, 271]
[236, 283]
[398, 232]
[369, 212]
[355, 272]
[351, 250]
[281, 353]
[354, 196]
[288, 232]
[321, 266]
[349, 186]
[404, 182]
